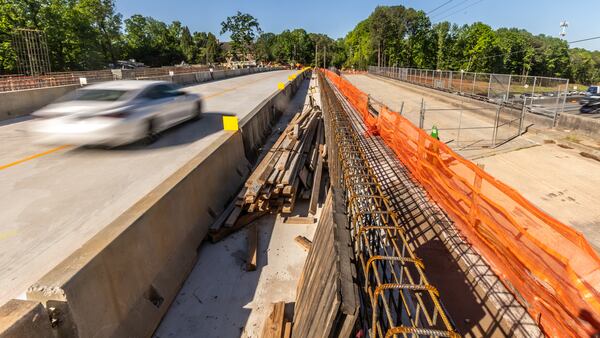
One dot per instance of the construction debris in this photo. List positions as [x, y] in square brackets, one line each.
[304, 242]
[274, 326]
[252, 248]
[299, 220]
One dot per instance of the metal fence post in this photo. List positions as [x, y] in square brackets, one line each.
[508, 87]
[495, 134]
[422, 114]
[521, 120]
[555, 119]
[461, 81]
[562, 109]
[489, 86]
[473, 89]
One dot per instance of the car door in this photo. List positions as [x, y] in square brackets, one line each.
[161, 105]
[183, 105]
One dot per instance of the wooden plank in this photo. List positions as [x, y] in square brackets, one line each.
[304, 242]
[240, 223]
[316, 186]
[287, 332]
[274, 324]
[252, 248]
[289, 206]
[223, 216]
[303, 174]
[233, 217]
[299, 220]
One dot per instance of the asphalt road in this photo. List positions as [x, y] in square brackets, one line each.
[53, 199]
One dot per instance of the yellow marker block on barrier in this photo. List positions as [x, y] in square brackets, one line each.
[281, 85]
[290, 78]
[230, 123]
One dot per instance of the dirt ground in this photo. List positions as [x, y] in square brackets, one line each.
[553, 176]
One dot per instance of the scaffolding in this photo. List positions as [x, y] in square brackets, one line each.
[31, 48]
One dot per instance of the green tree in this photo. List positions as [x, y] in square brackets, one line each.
[106, 24]
[187, 46]
[243, 29]
[264, 47]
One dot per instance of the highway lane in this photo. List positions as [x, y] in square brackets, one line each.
[53, 199]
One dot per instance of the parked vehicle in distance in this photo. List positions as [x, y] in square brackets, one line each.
[115, 113]
[593, 91]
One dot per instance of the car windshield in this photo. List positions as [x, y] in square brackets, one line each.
[99, 95]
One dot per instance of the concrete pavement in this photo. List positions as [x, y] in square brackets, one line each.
[54, 199]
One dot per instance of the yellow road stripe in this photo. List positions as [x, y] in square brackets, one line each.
[2, 167]
[7, 234]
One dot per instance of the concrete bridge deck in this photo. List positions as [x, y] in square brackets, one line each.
[55, 202]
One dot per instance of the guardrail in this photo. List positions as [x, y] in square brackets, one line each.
[550, 267]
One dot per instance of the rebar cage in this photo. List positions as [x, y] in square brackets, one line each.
[398, 300]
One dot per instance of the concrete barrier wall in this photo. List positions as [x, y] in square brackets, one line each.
[22, 102]
[257, 125]
[23, 318]
[122, 281]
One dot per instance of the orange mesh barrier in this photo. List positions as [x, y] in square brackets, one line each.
[551, 268]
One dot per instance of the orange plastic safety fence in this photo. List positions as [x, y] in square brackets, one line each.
[549, 264]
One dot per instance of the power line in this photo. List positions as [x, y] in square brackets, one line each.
[450, 8]
[460, 10]
[582, 40]
[532, 48]
[438, 7]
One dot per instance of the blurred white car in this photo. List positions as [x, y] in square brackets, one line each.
[114, 113]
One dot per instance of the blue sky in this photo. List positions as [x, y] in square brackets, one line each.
[336, 18]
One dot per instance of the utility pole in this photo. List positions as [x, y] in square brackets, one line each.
[316, 59]
[324, 60]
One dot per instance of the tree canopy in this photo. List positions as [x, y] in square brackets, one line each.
[90, 34]
[243, 29]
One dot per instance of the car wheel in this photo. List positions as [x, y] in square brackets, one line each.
[198, 112]
[151, 134]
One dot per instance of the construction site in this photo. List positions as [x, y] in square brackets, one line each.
[330, 209]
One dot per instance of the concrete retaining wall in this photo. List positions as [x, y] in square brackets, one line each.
[122, 281]
[581, 124]
[22, 102]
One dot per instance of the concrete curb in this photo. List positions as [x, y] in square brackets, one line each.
[122, 281]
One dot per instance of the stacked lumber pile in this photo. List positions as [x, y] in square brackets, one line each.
[327, 300]
[292, 167]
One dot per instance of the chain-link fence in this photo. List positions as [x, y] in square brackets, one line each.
[540, 95]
